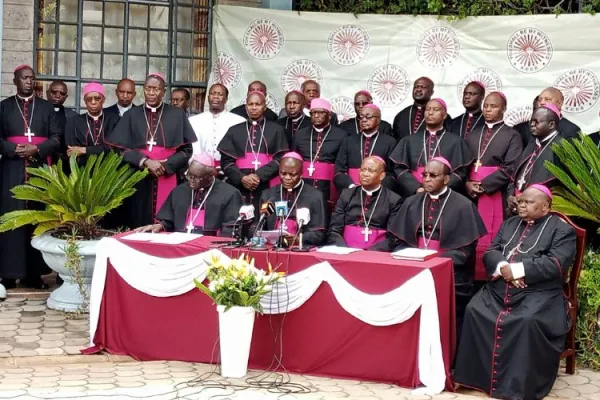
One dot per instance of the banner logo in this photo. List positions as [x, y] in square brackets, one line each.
[227, 70]
[344, 108]
[263, 39]
[272, 103]
[529, 50]
[389, 85]
[518, 115]
[438, 48]
[488, 77]
[297, 72]
[348, 44]
[581, 89]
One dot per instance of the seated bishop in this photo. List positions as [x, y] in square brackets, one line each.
[440, 219]
[297, 195]
[355, 148]
[186, 206]
[361, 215]
[515, 327]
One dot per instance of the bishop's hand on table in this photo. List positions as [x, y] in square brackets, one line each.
[154, 228]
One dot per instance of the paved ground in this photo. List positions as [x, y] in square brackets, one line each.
[39, 358]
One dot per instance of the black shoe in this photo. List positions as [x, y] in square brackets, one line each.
[9, 283]
[34, 283]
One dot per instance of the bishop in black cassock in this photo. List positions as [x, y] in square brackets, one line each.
[355, 148]
[125, 94]
[295, 118]
[157, 137]
[30, 135]
[241, 110]
[250, 152]
[472, 119]
[553, 96]
[319, 146]
[515, 327]
[413, 152]
[361, 214]
[352, 126]
[297, 194]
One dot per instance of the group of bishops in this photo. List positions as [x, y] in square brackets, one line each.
[472, 188]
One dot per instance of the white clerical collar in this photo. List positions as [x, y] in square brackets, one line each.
[296, 187]
[319, 130]
[57, 109]
[95, 118]
[370, 192]
[297, 119]
[153, 109]
[370, 135]
[437, 196]
[492, 124]
[25, 99]
[547, 138]
[434, 133]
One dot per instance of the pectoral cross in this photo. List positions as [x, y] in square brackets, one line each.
[190, 227]
[521, 182]
[29, 135]
[311, 169]
[366, 232]
[256, 164]
[151, 143]
[477, 165]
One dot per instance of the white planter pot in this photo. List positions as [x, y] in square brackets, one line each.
[235, 336]
[67, 296]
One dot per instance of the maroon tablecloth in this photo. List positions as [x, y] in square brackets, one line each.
[319, 338]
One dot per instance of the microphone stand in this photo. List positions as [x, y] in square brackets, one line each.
[300, 248]
[280, 245]
[258, 234]
[236, 237]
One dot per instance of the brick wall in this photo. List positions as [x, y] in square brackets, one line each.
[17, 40]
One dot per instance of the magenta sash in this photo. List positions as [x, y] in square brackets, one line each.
[492, 212]
[36, 140]
[355, 238]
[165, 183]
[199, 220]
[433, 244]
[354, 174]
[263, 159]
[418, 174]
[290, 226]
[323, 172]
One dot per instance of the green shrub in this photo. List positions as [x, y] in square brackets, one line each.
[588, 330]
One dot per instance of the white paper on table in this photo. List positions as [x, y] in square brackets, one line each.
[413, 253]
[273, 236]
[337, 250]
[140, 236]
[175, 238]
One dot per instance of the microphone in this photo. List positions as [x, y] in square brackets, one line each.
[281, 209]
[246, 213]
[302, 218]
[266, 209]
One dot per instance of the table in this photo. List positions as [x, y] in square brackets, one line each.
[319, 338]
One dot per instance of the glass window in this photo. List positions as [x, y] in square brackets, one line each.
[106, 40]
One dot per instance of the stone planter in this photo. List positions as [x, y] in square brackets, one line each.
[67, 296]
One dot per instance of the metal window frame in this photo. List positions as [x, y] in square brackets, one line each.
[171, 57]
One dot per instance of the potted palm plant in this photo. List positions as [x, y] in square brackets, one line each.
[67, 230]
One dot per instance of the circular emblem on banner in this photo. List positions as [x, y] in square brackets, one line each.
[389, 85]
[529, 50]
[227, 70]
[299, 71]
[488, 77]
[263, 39]
[344, 107]
[517, 115]
[581, 89]
[272, 102]
[438, 47]
[348, 44]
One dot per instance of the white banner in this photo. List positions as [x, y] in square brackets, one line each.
[384, 54]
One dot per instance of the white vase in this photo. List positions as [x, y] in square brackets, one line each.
[235, 336]
[66, 297]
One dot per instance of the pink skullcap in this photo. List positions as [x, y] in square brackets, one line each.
[552, 108]
[365, 93]
[442, 103]
[381, 160]
[294, 155]
[93, 87]
[499, 94]
[373, 106]
[156, 75]
[204, 159]
[443, 161]
[261, 94]
[478, 83]
[22, 66]
[543, 189]
[320, 104]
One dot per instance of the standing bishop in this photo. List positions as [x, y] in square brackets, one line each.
[352, 126]
[295, 119]
[472, 119]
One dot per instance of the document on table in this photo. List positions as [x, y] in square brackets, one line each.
[273, 236]
[163, 238]
[414, 254]
[337, 250]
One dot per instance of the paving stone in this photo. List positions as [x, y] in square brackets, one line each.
[53, 330]
[101, 380]
[27, 339]
[102, 386]
[153, 377]
[75, 369]
[73, 350]
[27, 345]
[23, 353]
[45, 379]
[34, 308]
[51, 344]
[55, 324]
[124, 373]
[38, 384]
[575, 379]
[4, 348]
[46, 374]
[30, 325]
[11, 380]
[33, 314]
[8, 390]
[77, 328]
[11, 341]
[76, 342]
[16, 371]
[52, 336]
[11, 309]
[28, 332]
[567, 392]
[79, 383]
[73, 377]
[101, 375]
[8, 327]
[9, 315]
[50, 352]
[586, 389]
[9, 321]
[8, 334]
[130, 384]
[32, 319]
[5, 355]
[77, 335]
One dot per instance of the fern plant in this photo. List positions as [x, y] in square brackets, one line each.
[579, 195]
[75, 202]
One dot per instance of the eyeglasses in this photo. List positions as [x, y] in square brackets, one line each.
[196, 178]
[367, 117]
[361, 103]
[428, 175]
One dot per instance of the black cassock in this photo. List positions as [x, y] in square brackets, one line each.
[354, 149]
[352, 126]
[566, 128]
[240, 110]
[19, 259]
[512, 338]
[466, 123]
[321, 148]
[291, 127]
[85, 131]
[595, 138]
[531, 168]
[164, 133]
[224, 202]
[409, 156]
[412, 120]
[351, 211]
[457, 230]
[302, 196]
[525, 132]
[242, 145]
